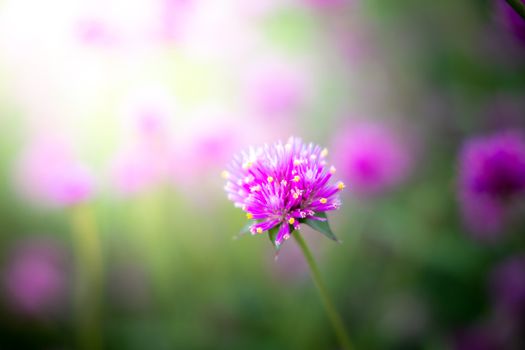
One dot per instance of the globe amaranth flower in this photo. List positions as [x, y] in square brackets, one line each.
[280, 186]
[491, 179]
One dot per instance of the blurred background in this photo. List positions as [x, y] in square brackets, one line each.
[117, 118]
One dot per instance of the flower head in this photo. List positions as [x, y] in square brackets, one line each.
[492, 176]
[281, 186]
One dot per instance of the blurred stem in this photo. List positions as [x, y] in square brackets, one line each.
[88, 274]
[332, 313]
[518, 6]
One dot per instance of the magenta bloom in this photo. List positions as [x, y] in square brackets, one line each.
[372, 157]
[35, 278]
[281, 186]
[492, 176]
[511, 19]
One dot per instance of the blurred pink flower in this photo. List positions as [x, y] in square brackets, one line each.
[95, 32]
[491, 179]
[372, 157]
[511, 19]
[35, 277]
[204, 152]
[174, 15]
[276, 91]
[142, 161]
[49, 173]
[148, 111]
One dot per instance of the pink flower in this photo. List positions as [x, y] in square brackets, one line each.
[142, 162]
[282, 185]
[203, 144]
[491, 178]
[174, 15]
[35, 278]
[95, 32]
[372, 157]
[49, 173]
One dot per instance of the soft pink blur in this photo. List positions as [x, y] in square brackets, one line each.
[136, 169]
[141, 161]
[371, 156]
[201, 152]
[49, 173]
[276, 91]
[35, 279]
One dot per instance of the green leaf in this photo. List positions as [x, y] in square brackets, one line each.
[321, 226]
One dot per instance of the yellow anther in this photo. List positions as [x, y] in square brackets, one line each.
[284, 182]
[259, 230]
[225, 174]
[291, 221]
[270, 179]
[332, 169]
[297, 162]
[247, 165]
[340, 186]
[323, 200]
[296, 178]
[295, 195]
[324, 153]
[249, 215]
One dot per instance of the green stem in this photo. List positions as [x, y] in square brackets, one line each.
[88, 283]
[518, 6]
[332, 313]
